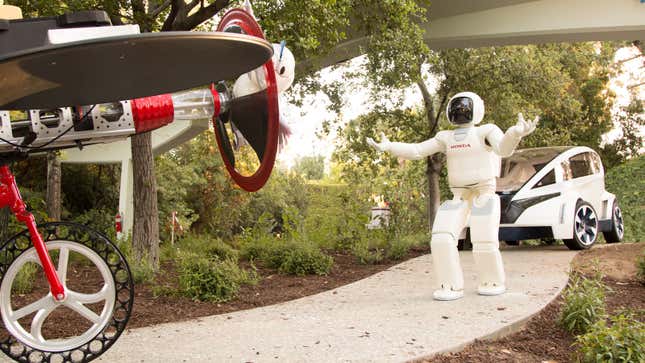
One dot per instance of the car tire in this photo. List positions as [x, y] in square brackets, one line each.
[585, 227]
[617, 231]
[512, 243]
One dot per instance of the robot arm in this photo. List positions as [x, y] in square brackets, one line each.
[408, 151]
[504, 144]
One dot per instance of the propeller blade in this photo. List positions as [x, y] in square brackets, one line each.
[250, 116]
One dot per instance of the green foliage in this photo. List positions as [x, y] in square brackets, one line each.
[627, 181]
[142, 270]
[310, 167]
[583, 303]
[101, 220]
[298, 258]
[291, 257]
[399, 247]
[24, 281]
[211, 279]
[289, 253]
[206, 199]
[619, 341]
[207, 246]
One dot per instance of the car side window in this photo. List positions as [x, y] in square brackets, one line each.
[581, 165]
[548, 179]
[566, 171]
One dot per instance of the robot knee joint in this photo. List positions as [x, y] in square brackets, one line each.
[440, 239]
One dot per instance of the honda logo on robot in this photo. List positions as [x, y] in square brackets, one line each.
[460, 146]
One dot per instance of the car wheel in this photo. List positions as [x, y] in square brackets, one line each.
[512, 243]
[585, 227]
[617, 231]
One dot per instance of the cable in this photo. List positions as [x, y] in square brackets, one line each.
[52, 140]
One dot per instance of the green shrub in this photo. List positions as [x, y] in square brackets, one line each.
[583, 303]
[101, 220]
[367, 254]
[211, 279]
[24, 281]
[399, 247]
[207, 246]
[627, 181]
[620, 341]
[142, 270]
[301, 259]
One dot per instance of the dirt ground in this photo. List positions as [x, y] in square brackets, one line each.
[542, 340]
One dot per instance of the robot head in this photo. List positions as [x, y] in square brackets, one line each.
[254, 81]
[465, 108]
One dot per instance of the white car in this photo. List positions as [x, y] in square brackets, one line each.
[553, 193]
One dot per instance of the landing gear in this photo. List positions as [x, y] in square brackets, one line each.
[99, 292]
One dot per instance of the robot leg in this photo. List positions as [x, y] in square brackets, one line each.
[448, 223]
[484, 232]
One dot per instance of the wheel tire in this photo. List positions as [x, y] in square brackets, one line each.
[585, 227]
[117, 293]
[512, 243]
[617, 231]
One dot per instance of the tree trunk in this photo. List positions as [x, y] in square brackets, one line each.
[145, 232]
[53, 186]
[434, 164]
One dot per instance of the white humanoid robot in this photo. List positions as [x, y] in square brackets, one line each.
[473, 157]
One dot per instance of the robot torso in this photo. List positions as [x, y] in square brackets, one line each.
[471, 160]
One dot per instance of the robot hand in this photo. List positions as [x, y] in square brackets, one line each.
[523, 127]
[384, 145]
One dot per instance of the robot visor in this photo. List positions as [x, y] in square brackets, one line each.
[461, 111]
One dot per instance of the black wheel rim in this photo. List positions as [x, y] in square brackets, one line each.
[586, 225]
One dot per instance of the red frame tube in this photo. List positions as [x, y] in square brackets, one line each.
[10, 197]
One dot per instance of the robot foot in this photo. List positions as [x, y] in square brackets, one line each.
[491, 289]
[447, 294]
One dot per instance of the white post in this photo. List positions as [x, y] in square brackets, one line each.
[126, 202]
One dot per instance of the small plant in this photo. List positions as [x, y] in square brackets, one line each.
[584, 303]
[142, 270]
[206, 245]
[367, 254]
[25, 278]
[620, 341]
[301, 259]
[211, 279]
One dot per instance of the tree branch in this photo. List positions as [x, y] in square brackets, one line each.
[201, 15]
[155, 11]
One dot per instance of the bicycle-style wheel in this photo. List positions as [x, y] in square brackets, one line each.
[99, 293]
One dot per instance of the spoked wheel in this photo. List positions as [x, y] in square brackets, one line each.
[247, 131]
[98, 288]
[585, 227]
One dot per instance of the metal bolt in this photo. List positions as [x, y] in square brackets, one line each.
[60, 297]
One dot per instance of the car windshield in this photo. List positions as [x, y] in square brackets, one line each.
[518, 168]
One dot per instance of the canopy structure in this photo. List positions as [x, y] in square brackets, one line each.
[451, 24]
